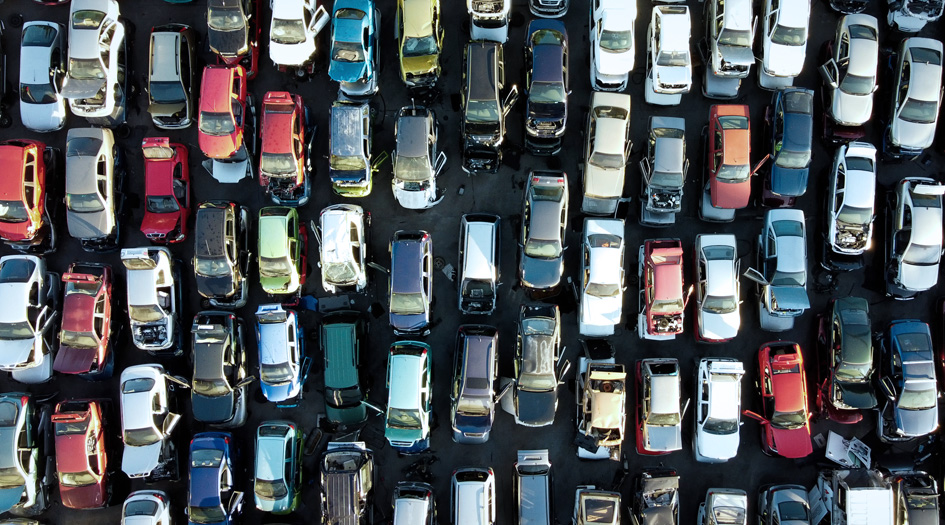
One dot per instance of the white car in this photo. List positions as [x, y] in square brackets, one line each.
[612, 43]
[342, 250]
[783, 42]
[730, 35]
[42, 106]
[850, 74]
[27, 323]
[95, 77]
[602, 277]
[917, 98]
[606, 151]
[718, 409]
[914, 237]
[668, 61]
[850, 205]
[724, 507]
[294, 31]
[146, 421]
[717, 290]
[146, 507]
[153, 297]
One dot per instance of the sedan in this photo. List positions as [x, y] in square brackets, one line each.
[282, 362]
[846, 343]
[612, 49]
[659, 411]
[233, 32]
[224, 101]
[419, 42]
[411, 282]
[211, 497]
[277, 480]
[537, 371]
[544, 224]
[727, 175]
[668, 61]
[81, 461]
[913, 253]
[655, 497]
[602, 277]
[94, 184]
[282, 251]
[907, 378]
[42, 106]
[790, 122]
[662, 301]
[86, 337]
[146, 422]
[851, 196]
[27, 327]
[96, 79]
[606, 152]
[342, 249]
[166, 191]
[171, 76]
[285, 160]
[23, 489]
[916, 98]
[715, 436]
[850, 73]
[354, 58]
[785, 423]
[781, 276]
[717, 288]
[219, 386]
[783, 42]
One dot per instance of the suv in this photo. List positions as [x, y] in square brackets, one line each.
[668, 62]
[88, 336]
[81, 460]
[224, 103]
[147, 423]
[409, 403]
[346, 472]
[219, 389]
[221, 255]
[25, 223]
[916, 100]
[606, 152]
[781, 277]
[662, 302]
[233, 31]
[846, 343]
[472, 496]
[355, 50]
[411, 282]
[28, 327]
[293, 34]
[349, 148]
[913, 236]
[730, 33]
[419, 34]
[94, 188]
[282, 251]
[538, 370]
[484, 110]
[285, 160]
[907, 378]
[171, 76]
[283, 366]
[544, 227]
[716, 423]
[790, 123]
[413, 503]
[546, 86]
[417, 162]
[21, 454]
[342, 337]
[277, 477]
[851, 208]
[166, 191]
[727, 175]
[612, 44]
[663, 171]
[475, 370]
[478, 263]
[342, 248]
[602, 277]
[533, 488]
[783, 42]
[42, 106]
[849, 76]
[659, 412]
[153, 284]
[96, 81]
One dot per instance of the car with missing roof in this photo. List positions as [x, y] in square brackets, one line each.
[224, 104]
[484, 109]
[277, 477]
[42, 106]
[285, 159]
[94, 188]
[783, 42]
[916, 98]
[346, 478]
[472, 395]
[407, 421]
[25, 221]
[663, 171]
[783, 504]
[153, 286]
[592, 505]
[850, 206]
[419, 34]
[283, 366]
[417, 160]
[907, 378]
[355, 49]
[606, 152]
[413, 503]
[913, 252]
[718, 406]
[538, 369]
[659, 410]
[342, 247]
[87, 336]
[219, 390]
[96, 80]
[166, 191]
[28, 323]
[668, 61]
[656, 497]
[727, 174]
[724, 507]
[24, 490]
[211, 494]
[81, 460]
[849, 76]
[546, 86]
[221, 253]
[171, 76]
[342, 337]
[411, 282]
[293, 33]
[781, 274]
[282, 250]
[790, 123]
[544, 227]
[846, 343]
[146, 507]
[147, 423]
[717, 288]
[662, 301]
[602, 277]
[349, 149]
[612, 44]
[233, 31]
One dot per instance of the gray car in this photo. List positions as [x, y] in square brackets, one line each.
[916, 100]
[544, 223]
[221, 256]
[535, 395]
[781, 275]
[663, 171]
[93, 187]
[42, 106]
[23, 490]
[411, 282]
[219, 389]
[171, 76]
[784, 505]
[908, 380]
[475, 368]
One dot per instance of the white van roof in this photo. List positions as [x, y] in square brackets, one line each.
[480, 250]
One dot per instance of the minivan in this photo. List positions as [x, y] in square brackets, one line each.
[479, 263]
[472, 496]
[342, 336]
[532, 488]
[475, 369]
[409, 403]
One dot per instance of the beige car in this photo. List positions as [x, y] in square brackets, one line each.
[606, 150]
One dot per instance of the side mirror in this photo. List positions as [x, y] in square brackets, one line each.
[245, 382]
[170, 423]
[889, 390]
[504, 391]
[236, 501]
[177, 381]
[760, 164]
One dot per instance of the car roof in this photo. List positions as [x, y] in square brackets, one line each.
[77, 312]
[609, 135]
[216, 88]
[545, 220]
[287, 9]
[412, 135]
[720, 278]
[405, 373]
[13, 159]
[669, 155]
[481, 78]
[724, 399]
[859, 187]
[339, 340]
[277, 125]
[418, 18]
[208, 356]
[164, 56]
[737, 15]
[209, 231]
[547, 63]
[406, 270]
[864, 53]
[81, 170]
[666, 258]
[270, 456]
[479, 355]
[674, 27]
[346, 129]
[479, 253]
[930, 234]
[273, 235]
[336, 241]
[787, 386]
[794, 14]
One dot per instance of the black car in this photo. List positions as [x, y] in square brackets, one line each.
[221, 262]
[233, 32]
[411, 282]
[846, 342]
[483, 111]
[219, 388]
[544, 223]
[849, 7]
[546, 70]
[656, 497]
[537, 375]
[171, 79]
[917, 497]
[790, 123]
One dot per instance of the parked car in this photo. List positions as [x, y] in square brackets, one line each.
[718, 409]
[146, 507]
[417, 161]
[28, 328]
[409, 402]
[347, 483]
[147, 423]
[663, 171]
[612, 44]
[285, 161]
[224, 103]
[913, 254]
[419, 34]
[355, 51]
[277, 477]
[81, 460]
[790, 123]
[606, 152]
[484, 109]
[472, 395]
[724, 506]
[153, 285]
[659, 410]
[907, 378]
[860, 491]
[785, 420]
[783, 42]
[282, 250]
[342, 337]
[42, 106]
[910, 16]
[730, 34]
[25, 222]
[478, 275]
[283, 366]
[342, 248]
[94, 188]
[293, 33]
[592, 505]
[166, 191]
[211, 494]
[221, 253]
[781, 276]
[87, 336]
[916, 98]
[532, 488]
[662, 302]
[549, 8]
[410, 287]
[349, 147]
[783, 504]
[96, 81]
[233, 32]
[846, 343]
[916, 497]
[656, 497]
[413, 503]
[546, 85]
[544, 227]
[717, 287]
[851, 196]
[849, 76]
[171, 76]
[219, 390]
[472, 496]
[24, 490]
[602, 277]
[538, 370]
[727, 175]
[601, 388]
[668, 62]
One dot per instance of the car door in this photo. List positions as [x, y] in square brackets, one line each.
[427, 275]
[717, 147]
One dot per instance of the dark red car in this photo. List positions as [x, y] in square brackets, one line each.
[785, 425]
[86, 335]
[284, 161]
[81, 461]
[166, 190]
[233, 32]
[223, 105]
[24, 224]
[662, 300]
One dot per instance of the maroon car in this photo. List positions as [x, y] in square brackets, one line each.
[81, 461]
[86, 334]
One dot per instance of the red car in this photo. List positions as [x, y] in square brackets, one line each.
[86, 334]
[81, 461]
[233, 32]
[24, 224]
[223, 106]
[728, 168]
[662, 301]
[284, 161]
[166, 190]
[785, 425]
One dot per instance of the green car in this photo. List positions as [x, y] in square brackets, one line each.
[342, 334]
[278, 472]
[409, 403]
[281, 250]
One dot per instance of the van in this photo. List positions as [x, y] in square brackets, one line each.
[484, 109]
[475, 369]
[472, 496]
[531, 486]
[479, 263]
[414, 504]
[342, 336]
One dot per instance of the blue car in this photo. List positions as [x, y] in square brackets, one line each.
[278, 479]
[281, 352]
[210, 496]
[790, 121]
[354, 49]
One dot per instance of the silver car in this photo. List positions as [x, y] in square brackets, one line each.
[42, 106]
[22, 490]
[146, 507]
[95, 82]
[171, 76]
[781, 275]
[783, 504]
[93, 187]
[913, 254]
[850, 74]
[850, 206]
[544, 224]
[917, 97]
[663, 171]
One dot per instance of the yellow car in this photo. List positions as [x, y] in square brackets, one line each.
[420, 39]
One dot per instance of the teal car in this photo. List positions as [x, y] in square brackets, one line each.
[409, 403]
[342, 336]
[281, 250]
[278, 473]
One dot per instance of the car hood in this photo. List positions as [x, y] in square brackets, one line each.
[535, 408]
[215, 286]
[737, 55]
[15, 231]
[141, 461]
[416, 200]
[785, 61]
[159, 222]
[857, 395]
[613, 63]
[10, 497]
[914, 277]
[672, 75]
[166, 110]
[719, 326]
[15, 351]
[917, 422]
[541, 273]
[912, 134]
[347, 71]
[409, 322]
[603, 182]
[85, 497]
[74, 88]
[292, 54]
[419, 65]
[601, 310]
[279, 393]
[730, 195]
[228, 172]
[547, 111]
[213, 409]
[790, 297]
[716, 446]
[851, 110]
[403, 434]
[789, 182]
[219, 146]
[43, 117]
[88, 225]
[230, 43]
[793, 443]
[74, 360]
[663, 438]
[278, 284]
[473, 424]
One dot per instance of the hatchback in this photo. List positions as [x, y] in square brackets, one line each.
[472, 496]
[282, 363]
[717, 288]
[171, 76]
[409, 399]
[293, 33]
[277, 478]
[785, 422]
[146, 507]
[602, 277]
[417, 161]
[94, 188]
[224, 102]
[233, 31]
[25, 223]
[219, 389]
[355, 51]
[790, 123]
[285, 160]
[342, 337]
[846, 343]
[282, 251]
[42, 106]
[851, 207]
[668, 61]
[781, 276]
[342, 248]
[475, 370]
[413, 503]
[544, 225]
[166, 191]
[419, 42]
[659, 410]
[411, 282]
[612, 47]
[916, 98]
[211, 495]
[349, 147]
[717, 409]
[87, 333]
[81, 460]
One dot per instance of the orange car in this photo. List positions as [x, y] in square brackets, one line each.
[223, 107]
[728, 172]
[24, 224]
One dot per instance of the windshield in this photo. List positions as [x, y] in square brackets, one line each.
[789, 420]
[347, 52]
[400, 418]
[225, 18]
[216, 124]
[76, 479]
[139, 437]
[919, 111]
[145, 313]
[267, 489]
[733, 173]
[854, 372]
[920, 399]
[662, 420]
[87, 18]
[78, 339]
[922, 255]
[341, 272]
[21, 330]
[542, 249]
[537, 382]
[789, 36]
[86, 69]
[602, 290]
[473, 406]
[162, 204]
[10, 478]
[277, 163]
[37, 93]
[853, 215]
[857, 85]
[414, 169]
[719, 305]
[606, 160]
[211, 387]
[616, 41]
[278, 374]
[419, 47]
[206, 514]
[287, 32]
[212, 267]
[667, 307]
[673, 59]
[792, 159]
[407, 304]
[547, 93]
[343, 397]
[274, 266]
[84, 202]
[167, 92]
[482, 111]
[735, 37]
[345, 163]
[791, 511]
[720, 426]
[13, 211]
